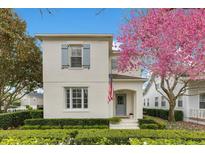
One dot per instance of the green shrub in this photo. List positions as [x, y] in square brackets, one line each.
[149, 126]
[64, 127]
[149, 122]
[36, 114]
[100, 136]
[115, 120]
[67, 122]
[15, 119]
[163, 113]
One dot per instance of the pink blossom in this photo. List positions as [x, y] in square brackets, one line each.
[165, 41]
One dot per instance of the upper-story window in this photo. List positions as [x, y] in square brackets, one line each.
[202, 101]
[163, 101]
[180, 102]
[114, 63]
[75, 56]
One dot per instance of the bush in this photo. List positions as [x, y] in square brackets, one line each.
[25, 127]
[36, 114]
[15, 119]
[122, 136]
[149, 126]
[163, 114]
[100, 136]
[149, 122]
[67, 122]
[115, 120]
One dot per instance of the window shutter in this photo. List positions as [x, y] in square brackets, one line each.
[64, 56]
[86, 55]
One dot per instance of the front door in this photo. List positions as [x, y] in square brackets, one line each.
[121, 105]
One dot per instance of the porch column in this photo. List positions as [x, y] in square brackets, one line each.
[138, 101]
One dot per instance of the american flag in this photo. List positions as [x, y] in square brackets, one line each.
[110, 89]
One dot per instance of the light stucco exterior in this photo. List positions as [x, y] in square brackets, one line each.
[95, 78]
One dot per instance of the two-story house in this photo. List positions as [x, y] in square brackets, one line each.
[76, 70]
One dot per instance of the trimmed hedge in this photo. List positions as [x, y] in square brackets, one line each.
[115, 120]
[29, 127]
[149, 122]
[67, 122]
[100, 136]
[163, 113]
[15, 119]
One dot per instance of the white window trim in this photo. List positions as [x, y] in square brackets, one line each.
[76, 68]
[71, 102]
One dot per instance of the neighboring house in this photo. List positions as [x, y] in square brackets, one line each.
[76, 70]
[192, 103]
[34, 100]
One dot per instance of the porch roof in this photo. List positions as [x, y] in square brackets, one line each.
[126, 77]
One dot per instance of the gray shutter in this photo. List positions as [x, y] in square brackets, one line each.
[86, 55]
[64, 56]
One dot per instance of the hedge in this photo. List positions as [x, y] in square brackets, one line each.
[15, 119]
[163, 113]
[149, 122]
[67, 122]
[100, 136]
[29, 127]
[123, 136]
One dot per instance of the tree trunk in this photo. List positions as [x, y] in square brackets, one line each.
[171, 117]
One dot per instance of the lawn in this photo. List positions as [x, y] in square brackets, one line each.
[101, 137]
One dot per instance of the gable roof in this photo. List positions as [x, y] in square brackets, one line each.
[149, 84]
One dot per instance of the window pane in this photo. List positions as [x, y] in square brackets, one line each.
[77, 98]
[85, 93]
[68, 98]
[180, 103]
[202, 97]
[202, 105]
[76, 62]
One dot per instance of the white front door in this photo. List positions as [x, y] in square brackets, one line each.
[120, 104]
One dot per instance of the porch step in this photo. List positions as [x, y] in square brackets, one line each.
[125, 124]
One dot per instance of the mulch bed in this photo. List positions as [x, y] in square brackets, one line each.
[187, 126]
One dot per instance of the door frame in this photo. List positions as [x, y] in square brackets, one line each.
[125, 98]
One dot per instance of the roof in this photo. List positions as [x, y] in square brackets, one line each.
[43, 36]
[117, 76]
[151, 80]
[35, 94]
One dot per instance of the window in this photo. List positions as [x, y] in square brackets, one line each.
[156, 102]
[144, 102]
[76, 56]
[180, 102]
[76, 98]
[147, 101]
[114, 64]
[202, 101]
[163, 102]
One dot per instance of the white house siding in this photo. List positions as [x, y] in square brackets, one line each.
[190, 100]
[34, 100]
[56, 79]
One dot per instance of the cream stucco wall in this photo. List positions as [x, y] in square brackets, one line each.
[56, 79]
[96, 79]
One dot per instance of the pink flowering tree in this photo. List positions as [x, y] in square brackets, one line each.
[170, 43]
